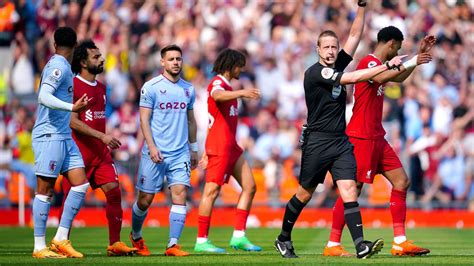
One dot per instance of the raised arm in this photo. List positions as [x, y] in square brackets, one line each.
[368, 73]
[406, 69]
[357, 29]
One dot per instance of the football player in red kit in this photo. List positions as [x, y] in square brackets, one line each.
[223, 156]
[88, 131]
[372, 152]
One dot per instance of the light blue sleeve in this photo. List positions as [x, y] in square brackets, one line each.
[192, 99]
[147, 97]
[54, 75]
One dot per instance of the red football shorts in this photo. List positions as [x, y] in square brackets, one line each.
[373, 156]
[97, 175]
[221, 167]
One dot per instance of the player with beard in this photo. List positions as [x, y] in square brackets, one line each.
[372, 152]
[88, 130]
[169, 127]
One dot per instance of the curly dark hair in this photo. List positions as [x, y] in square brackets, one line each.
[389, 33]
[80, 53]
[65, 37]
[227, 60]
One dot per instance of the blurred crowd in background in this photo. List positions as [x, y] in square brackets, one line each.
[429, 118]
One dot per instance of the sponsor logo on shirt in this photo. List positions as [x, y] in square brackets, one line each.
[336, 91]
[172, 105]
[89, 115]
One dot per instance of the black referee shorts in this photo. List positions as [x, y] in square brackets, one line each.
[324, 152]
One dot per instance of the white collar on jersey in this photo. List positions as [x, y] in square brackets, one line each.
[224, 79]
[86, 81]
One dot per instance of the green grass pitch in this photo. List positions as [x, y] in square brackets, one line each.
[448, 246]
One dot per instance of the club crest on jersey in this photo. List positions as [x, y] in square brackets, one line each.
[336, 91]
[52, 166]
[371, 64]
[233, 111]
[187, 93]
[327, 72]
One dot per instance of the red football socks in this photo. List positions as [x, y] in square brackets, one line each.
[398, 208]
[241, 219]
[114, 213]
[203, 226]
[338, 221]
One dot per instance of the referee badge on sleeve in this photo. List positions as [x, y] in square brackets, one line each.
[327, 72]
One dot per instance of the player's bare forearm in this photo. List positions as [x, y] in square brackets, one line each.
[362, 74]
[394, 75]
[403, 75]
[223, 96]
[192, 127]
[81, 127]
[355, 34]
[145, 114]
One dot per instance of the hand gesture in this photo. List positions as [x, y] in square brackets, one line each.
[111, 142]
[203, 161]
[423, 58]
[81, 103]
[194, 160]
[155, 155]
[251, 93]
[426, 44]
[396, 61]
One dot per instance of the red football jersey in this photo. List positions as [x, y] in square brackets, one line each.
[223, 118]
[93, 150]
[366, 121]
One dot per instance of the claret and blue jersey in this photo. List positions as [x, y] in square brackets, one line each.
[169, 120]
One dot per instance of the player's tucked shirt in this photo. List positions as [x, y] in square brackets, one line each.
[366, 121]
[223, 118]
[53, 124]
[169, 120]
[93, 150]
[326, 97]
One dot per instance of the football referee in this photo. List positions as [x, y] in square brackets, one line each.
[326, 146]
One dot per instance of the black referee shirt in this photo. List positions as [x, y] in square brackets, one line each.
[326, 97]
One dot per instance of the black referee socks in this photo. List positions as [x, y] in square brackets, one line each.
[354, 221]
[293, 210]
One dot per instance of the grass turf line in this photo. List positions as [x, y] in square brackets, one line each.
[448, 246]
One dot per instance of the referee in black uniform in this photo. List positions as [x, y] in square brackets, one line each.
[326, 147]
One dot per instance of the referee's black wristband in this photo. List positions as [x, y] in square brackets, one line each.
[362, 3]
